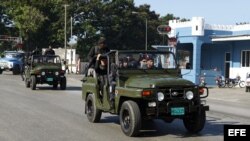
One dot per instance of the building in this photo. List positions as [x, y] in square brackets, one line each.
[211, 50]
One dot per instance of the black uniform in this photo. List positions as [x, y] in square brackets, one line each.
[101, 73]
[49, 52]
[100, 49]
[93, 52]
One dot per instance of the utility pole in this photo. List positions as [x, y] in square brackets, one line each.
[71, 52]
[65, 32]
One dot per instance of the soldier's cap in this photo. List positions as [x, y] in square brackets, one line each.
[102, 40]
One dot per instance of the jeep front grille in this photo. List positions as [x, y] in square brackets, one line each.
[176, 92]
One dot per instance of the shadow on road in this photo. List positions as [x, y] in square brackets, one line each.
[154, 128]
[69, 88]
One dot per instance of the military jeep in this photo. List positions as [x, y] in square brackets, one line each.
[44, 69]
[144, 93]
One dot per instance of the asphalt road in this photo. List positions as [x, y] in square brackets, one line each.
[56, 115]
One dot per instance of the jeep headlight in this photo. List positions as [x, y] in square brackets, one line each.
[189, 95]
[56, 73]
[43, 73]
[160, 96]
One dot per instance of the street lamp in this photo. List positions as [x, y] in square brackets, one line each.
[146, 30]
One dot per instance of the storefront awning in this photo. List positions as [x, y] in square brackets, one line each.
[230, 38]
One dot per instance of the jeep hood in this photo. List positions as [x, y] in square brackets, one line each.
[147, 81]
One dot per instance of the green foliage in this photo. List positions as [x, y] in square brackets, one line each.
[41, 23]
[27, 18]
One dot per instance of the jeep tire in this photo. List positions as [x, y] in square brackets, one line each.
[33, 82]
[93, 114]
[130, 118]
[195, 122]
[63, 83]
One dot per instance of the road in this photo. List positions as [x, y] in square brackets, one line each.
[56, 115]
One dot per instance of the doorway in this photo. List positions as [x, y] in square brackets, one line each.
[227, 64]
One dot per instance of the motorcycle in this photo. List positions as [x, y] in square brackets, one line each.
[229, 82]
[220, 82]
[203, 81]
[237, 81]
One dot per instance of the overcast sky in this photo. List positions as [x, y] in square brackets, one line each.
[214, 11]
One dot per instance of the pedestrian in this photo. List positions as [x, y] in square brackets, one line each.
[66, 66]
[78, 66]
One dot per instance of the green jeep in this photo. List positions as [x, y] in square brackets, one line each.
[44, 69]
[143, 92]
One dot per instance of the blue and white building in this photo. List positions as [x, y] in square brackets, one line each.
[211, 50]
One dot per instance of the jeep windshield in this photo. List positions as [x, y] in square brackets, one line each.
[46, 59]
[146, 60]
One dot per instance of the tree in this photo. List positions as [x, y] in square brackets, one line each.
[41, 23]
[26, 19]
[114, 19]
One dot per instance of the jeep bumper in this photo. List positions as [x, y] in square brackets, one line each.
[174, 109]
[49, 79]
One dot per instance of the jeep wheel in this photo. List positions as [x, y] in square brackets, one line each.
[33, 82]
[27, 83]
[195, 122]
[130, 118]
[63, 83]
[93, 114]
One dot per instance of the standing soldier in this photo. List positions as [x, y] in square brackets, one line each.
[101, 48]
[49, 51]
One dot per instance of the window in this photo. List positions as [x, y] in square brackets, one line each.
[245, 58]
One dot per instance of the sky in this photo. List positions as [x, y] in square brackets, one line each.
[224, 12]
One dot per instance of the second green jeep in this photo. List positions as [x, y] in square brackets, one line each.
[147, 86]
[45, 69]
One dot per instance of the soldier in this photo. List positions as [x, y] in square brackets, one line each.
[49, 51]
[102, 76]
[101, 48]
[101, 73]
